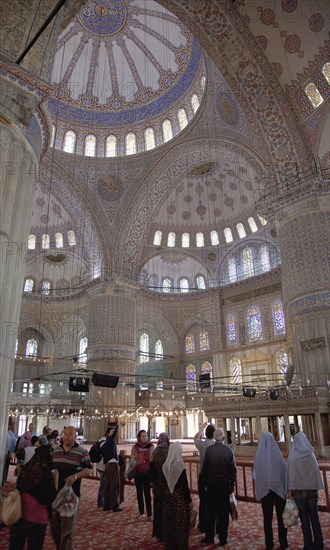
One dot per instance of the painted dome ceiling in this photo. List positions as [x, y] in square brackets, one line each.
[123, 62]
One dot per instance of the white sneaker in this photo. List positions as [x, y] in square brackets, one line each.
[142, 516]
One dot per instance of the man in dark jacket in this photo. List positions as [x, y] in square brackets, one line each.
[219, 475]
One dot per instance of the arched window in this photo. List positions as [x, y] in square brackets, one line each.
[326, 72]
[45, 288]
[185, 240]
[252, 224]
[59, 240]
[199, 240]
[32, 242]
[204, 340]
[190, 343]
[313, 95]
[264, 258]
[82, 349]
[206, 368]
[45, 241]
[167, 130]
[71, 238]
[184, 285]
[90, 146]
[254, 324]
[63, 286]
[232, 271]
[166, 285]
[203, 82]
[231, 329]
[182, 118]
[214, 238]
[157, 238]
[159, 350]
[235, 368]
[278, 318]
[111, 146]
[228, 235]
[52, 139]
[149, 139]
[144, 348]
[195, 103]
[130, 144]
[31, 348]
[28, 285]
[240, 230]
[171, 239]
[200, 281]
[248, 262]
[282, 361]
[191, 379]
[69, 142]
[262, 220]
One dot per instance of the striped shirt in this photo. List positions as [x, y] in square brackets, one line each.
[70, 463]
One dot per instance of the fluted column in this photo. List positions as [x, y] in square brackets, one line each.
[112, 350]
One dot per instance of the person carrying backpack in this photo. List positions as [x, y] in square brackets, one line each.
[96, 456]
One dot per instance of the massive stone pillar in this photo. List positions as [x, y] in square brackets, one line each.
[112, 350]
[24, 132]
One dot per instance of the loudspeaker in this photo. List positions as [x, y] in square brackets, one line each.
[105, 380]
[273, 394]
[204, 380]
[78, 384]
[249, 392]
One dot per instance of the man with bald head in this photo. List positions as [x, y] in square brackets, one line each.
[219, 475]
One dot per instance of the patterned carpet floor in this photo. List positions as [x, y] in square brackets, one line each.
[98, 530]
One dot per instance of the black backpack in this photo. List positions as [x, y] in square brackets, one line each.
[95, 452]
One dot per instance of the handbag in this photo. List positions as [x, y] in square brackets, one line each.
[233, 507]
[290, 513]
[12, 508]
[66, 502]
[130, 469]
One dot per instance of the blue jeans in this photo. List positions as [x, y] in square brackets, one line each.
[307, 506]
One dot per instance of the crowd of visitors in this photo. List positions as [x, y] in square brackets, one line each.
[52, 465]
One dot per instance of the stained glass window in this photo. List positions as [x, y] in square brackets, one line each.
[264, 258]
[200, 282]
[235, 370]
[282, 361]
[32, 242]
[240, 230]
[31, 347]
[232, 271]
[82, 350]
[69, 142]
[254, 324]
[144, 348]
[248, 262]
[52, 139]
[191, 379]
[167, 130]
[214, 238]
[28, 285]
[157, 238]
[326, 72]
[171, 239]
[45, 288]
[199, 240]
[231, 329]
[278, 318]
[185, 240]
[111, 146]
[159, 350]
[59, 240]
[203, 82]
[190, 343]
[228, 235]
[184, 285]
[252, 224]
[166, 285]
[182, 118]
[130, 144]
[45, 241]
[313, 95]
[204, 340]
[71, 238]
[90, 146]
[149, 139]
[195, 103]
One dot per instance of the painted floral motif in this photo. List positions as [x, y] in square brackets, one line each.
[316, 22]
[262, 41]
[267, 16]
[289, 5]
[278, 69]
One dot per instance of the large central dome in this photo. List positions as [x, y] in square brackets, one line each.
[124, 62]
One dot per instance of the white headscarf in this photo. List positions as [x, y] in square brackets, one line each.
[173, 465]
[269, 470]
[303, 469]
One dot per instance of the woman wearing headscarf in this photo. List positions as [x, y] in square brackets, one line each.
[158, 458]
[269, 474]
[304, 482]
[177, 500]
[141, 452]
[36, 485]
